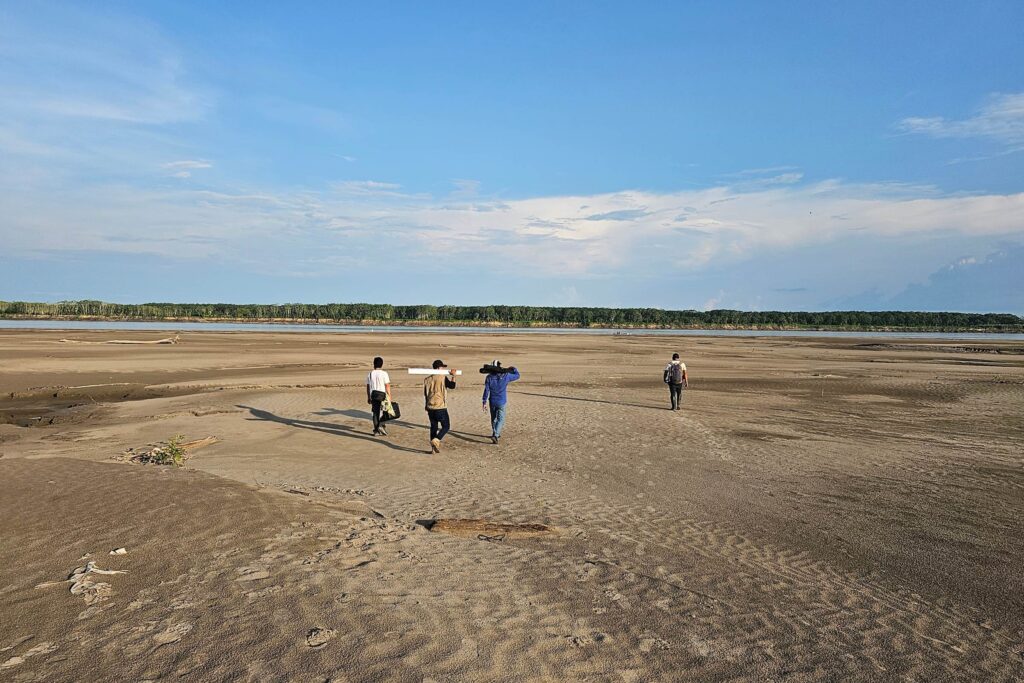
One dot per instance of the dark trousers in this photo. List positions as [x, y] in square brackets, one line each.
[675, 392]
[376, 398]
[439, 423]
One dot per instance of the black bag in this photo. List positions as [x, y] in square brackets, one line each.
[386, 416]
[488, 369]
[674, 374]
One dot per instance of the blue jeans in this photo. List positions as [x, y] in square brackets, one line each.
[498, 418]
[440, 423]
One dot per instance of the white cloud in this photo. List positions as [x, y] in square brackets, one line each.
[1000, 119]
[189, 164]
[624, 233]
[713, 302]
[785, 179]
[367, 187]
[183, 169]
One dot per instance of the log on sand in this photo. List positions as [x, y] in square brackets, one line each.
[169, 340]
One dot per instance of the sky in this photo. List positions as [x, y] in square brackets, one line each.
[747, 155]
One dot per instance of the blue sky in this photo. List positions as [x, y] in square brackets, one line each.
[680, 155]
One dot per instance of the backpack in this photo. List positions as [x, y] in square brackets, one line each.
[675, 373]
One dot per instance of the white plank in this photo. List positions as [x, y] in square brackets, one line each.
[430, 371]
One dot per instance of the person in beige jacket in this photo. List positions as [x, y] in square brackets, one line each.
[435, 393]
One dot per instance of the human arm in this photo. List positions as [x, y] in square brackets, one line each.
[686, 378]
[387, 389]
[513, 374]
[449, 383]
[368, 399]
[487, 390]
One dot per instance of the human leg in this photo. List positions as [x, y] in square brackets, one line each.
[434, 422]
[442, 417]
[376, 398]
[498, 418]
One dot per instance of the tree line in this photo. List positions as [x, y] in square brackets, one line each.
[560, 316]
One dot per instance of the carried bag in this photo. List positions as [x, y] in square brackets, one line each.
[389, 410]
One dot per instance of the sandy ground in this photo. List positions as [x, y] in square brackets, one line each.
[820, 510]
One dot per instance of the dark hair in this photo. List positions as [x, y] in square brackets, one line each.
[675, 356]
[378, 362]
[438, 364]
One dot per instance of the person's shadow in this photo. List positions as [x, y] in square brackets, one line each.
[366, 415]
[326, 427]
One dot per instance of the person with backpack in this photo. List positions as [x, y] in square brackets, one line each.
[676, 379]
[378, 389]
[496, 391]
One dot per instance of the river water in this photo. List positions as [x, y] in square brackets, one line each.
[397, 329]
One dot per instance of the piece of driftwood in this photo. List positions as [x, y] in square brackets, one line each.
[199, 443]
[488, 530]
[169, 340]
[153, 451]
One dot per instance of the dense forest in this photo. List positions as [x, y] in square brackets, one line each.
[518, 316]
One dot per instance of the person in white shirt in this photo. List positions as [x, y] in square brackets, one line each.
[676, 379]
[378, 387]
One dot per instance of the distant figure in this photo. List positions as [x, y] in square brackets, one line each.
[676, 379]
[495, 389]
[378, 387]
[435, 391]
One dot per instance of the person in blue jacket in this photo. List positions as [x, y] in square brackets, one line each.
[495, 391]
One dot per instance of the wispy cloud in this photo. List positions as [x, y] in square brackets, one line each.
[620, 215]
[184, 168]
[368, 188]
[612, 234]
[465, 188]
[65, 63]
[1000, 119]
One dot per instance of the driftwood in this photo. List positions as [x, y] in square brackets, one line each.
[199, 443]
[153, 452]
[487, 530]
[169, 340]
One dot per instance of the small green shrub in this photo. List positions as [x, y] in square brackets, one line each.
[171, 452]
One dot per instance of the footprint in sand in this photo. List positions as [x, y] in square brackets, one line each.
[586, 570]
[652, 643]
[586, 639]
[40, 649]
[264, 592]
[252, 574]
[318, 637]
[172, 634]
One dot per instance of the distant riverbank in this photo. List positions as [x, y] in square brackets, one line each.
[355, 326]
[517, 317]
